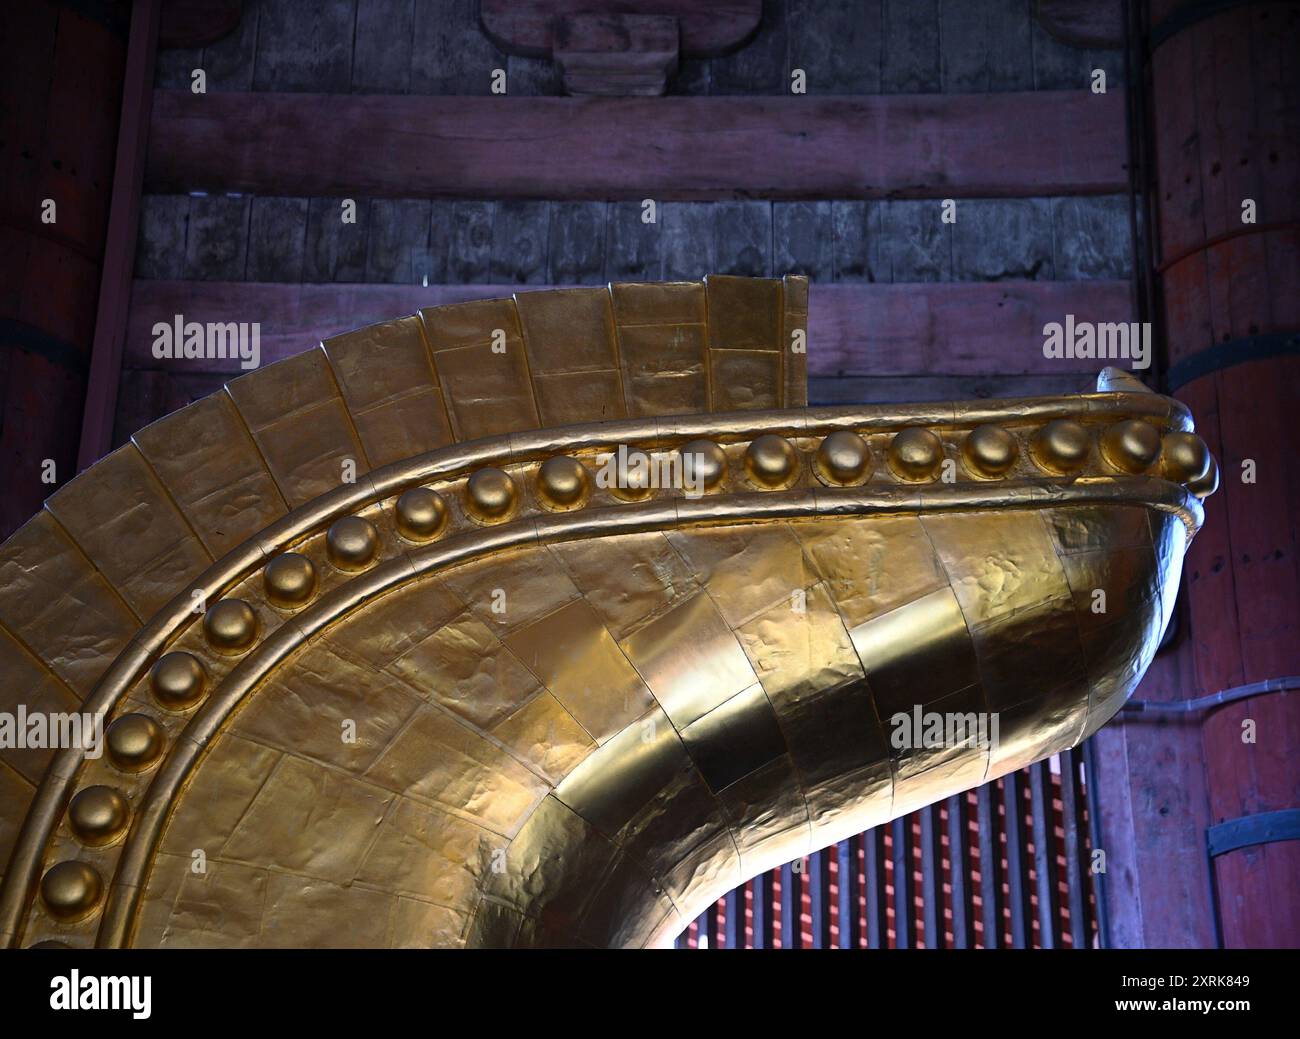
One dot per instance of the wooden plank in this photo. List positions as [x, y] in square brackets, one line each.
[196, 23]
[848, 890]
[762, 906]
[962, 329]
[791, 906]
[111, 316]
[1076, 863]
[959, 872]
[1043, 832]
[837, 43]
[381, 50]
[902, 853]
[877, 897]
[985, 46]
[908, 146]
[277, 235]
[1013, 819]
[304, 46]
[931, 878]
[527, 26]
[990, 853]
[909, 56]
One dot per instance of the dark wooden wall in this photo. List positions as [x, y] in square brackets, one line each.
[60, 98]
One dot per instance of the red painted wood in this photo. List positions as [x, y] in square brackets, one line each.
[913, 146]
[1226, 124]
[861, 329]
[123, 226]
[58, 144]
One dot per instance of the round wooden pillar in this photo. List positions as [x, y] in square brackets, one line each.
[1226, 124]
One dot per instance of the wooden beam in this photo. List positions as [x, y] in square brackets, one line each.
[123, 225]
[956, 328]
[880, 146]
[528, 26]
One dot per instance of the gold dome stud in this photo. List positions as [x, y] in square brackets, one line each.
[563, 483]
[492, 495]
[177, 681]
[421, 514]
[631, 469]
[98, 815]
[135, 741]
[1061, 447]
[352, 543]
[71, 890]
[915, 454]
[843, 459]
[1204, 486]
[1185, 458]
[704, 465]
[230, 626]
[989, 451]
[289, 580]
[1131, 446]
[771, 461]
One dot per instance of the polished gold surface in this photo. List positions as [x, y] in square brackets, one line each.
[135, 741]
[1131, 446]
[843, 459]
[771, 462]
[492, 495]
[481, 696]
[98, 815]
[1184, 457]
[421, 514]
[71, 890]
[352, 543]
[290, 580]
[563, 483]
[1062, 446]
[706, 462]
[178, 681]
[915, 454]
[989, 451]
[230, 625]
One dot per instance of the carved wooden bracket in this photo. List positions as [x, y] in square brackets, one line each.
[618, 47]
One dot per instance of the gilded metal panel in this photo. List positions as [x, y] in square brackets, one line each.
[390, 389]
[690, 660]
[573, 654]
[300, 424]
[446, 705]
[207, 460]
[478, 352]
[663, 344]
[123, 519]
[54, 599]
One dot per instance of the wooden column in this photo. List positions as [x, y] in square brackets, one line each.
[63, 71]
[1227, 135]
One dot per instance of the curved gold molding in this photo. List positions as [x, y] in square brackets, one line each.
[244, 678]
[1029, 480]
